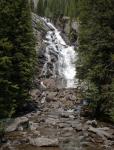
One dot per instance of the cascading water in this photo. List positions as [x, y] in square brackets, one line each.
[64, 66]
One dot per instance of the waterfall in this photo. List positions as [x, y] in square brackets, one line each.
[63, 68]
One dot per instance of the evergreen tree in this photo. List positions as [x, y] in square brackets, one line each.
[32, 5]
[40, 8]
[95, 65]
[16, 55]
[53, 9]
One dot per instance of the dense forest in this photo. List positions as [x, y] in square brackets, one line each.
[50, 9]
[95, 64]
[16, 55]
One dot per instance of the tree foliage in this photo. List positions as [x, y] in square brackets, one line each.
[51, 9]
[16, 55]
[96, 49]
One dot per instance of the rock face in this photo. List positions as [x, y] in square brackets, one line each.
[55, 57]
[68, 27]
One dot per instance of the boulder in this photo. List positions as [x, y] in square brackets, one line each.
[102, 132]
[51, 96]
[16, 123]
[52, 121]
[93, 123]
[75, 25]
[33, 126]
[77, 127]
[35, 93]
[66, 114]
[41, 142]
[64, 125]
[50, 83]
[67, 129]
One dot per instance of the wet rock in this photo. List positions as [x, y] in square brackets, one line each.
[21, 121]
[39, 24]
[43, 100]
[57, 104]
[66, 134]
[36, 133]
[102, 132]
[77, 127]
[33, 126]
[51, 96]
[20, 128]
[7, 146]
[63, 125]
[75, 25]
[51, 121]
[35, 93]
[71, 97]
[71, 116]
[41, 142]
[93, 123]
[66, 114]
[68, 129]
[50, 83]
[87, 144]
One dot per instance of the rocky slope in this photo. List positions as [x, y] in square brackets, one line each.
[57, 125]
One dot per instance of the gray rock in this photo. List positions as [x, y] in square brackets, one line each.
[75, 25]
[93, 123]
[51, 121]
[66, 134]
[51, 96]
[66, 114]
[50, 83]
[68, 129]
[63, 125]
[40, 142]
[77, 127]
[39, 23]
[36, 133]
[20, 128]
[72, 116]
[16, 123]
[35, 93]
[33, 126]
[73, 98]
[102, 132]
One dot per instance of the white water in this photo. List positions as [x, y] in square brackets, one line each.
[66, 57]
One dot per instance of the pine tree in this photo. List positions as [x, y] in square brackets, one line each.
[16, 55]
[32, 5]
[54, 9]
[40, 8]
[95, 66]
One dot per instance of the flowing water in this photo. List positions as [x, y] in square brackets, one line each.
[64, 66]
